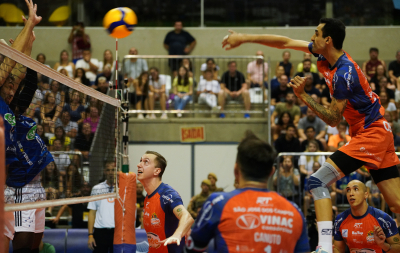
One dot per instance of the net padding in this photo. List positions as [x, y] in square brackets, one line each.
[63, 137]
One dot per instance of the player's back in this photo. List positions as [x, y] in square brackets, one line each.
[251, 220]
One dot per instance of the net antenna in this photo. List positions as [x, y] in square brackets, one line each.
[90, 165]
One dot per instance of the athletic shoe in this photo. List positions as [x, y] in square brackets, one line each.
[222, 115]
[164, 116]
[140, 116]
[179, 115]
[320, 250]
[148, 116]
[247, 116]
[152, 116]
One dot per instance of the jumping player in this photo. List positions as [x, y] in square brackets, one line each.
[165, 219]
[372, 140]
[364, 228]
[251, 218]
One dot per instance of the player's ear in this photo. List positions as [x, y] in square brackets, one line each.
[157, 171]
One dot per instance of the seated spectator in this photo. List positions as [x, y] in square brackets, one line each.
[61, 160]
[107, 61]
[341, 136]
[69, 127]
[375, 197]
[316, 83]
[140, 97]
[157, 91]
[89, 64]
[93, 118]
[279, 93]
[197, 201]
[183, 90]
[287, 65]
[369, 67]
[40, 132]
[76, 108]
[287, 179]
[275, 81]
[52, 181]
[65, 63]
[80, 76]
[306, 162]
[384, 87]
[318, 124]
[394, 70]
[49, 112]
[389, 106]
[132, 68]
[79, 212]
[188, 65]
[56, 88]
[309, 87]
[208, 89]
[313, 68]
[308, 198]
[288, 106]
[311, 136]
[288, 142]
[338, 194]
[83, 141]
[102, 85]
[106, 75]
[257, 72]
[374, 82]
[210, 65]
[393, 125]
[42, 59]
[284, 120]
[61, 135]
[233, 87]
[213, 179]
[72, 181]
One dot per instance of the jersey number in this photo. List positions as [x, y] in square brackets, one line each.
[387, 126]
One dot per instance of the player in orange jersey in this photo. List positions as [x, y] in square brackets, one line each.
[372, 139]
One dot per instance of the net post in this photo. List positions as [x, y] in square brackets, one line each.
[2, 177]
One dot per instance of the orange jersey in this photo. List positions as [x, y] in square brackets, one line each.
[358, 232]
[249, 220]
[159, 219]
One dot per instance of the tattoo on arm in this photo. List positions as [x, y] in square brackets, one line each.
[179, 211]
[396, 239]
[331, 116]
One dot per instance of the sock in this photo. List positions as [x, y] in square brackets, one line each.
[325, 233]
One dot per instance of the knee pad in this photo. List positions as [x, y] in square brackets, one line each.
[319, 182]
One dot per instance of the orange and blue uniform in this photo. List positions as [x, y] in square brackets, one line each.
[358, 232]
[249, 220]
[372, 138]
[159, 219]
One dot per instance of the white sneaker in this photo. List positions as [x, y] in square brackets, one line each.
[140, 116]
[179, 115]
[164, 116]
[148, 116]
[153, 116]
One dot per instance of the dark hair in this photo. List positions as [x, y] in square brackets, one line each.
[343, 123]
[280, 119]
[291, 126]
[80, 24]
[63, 135]
[207, 71]
[40, 54]
[335, 29]
[62, 53]
[73, 182]
[146, 84]
[210, 59]
[230, 62]
[50, 180]
[284, 52]
[289, 92]
[160, 162]
[190, 64]
[310, 127]
[185, 79]
[255, 158]
[104, 59]
[374, 49]
[155, 68]
[84, 79]
[306, 60]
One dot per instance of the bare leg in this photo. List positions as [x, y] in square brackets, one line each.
[163, 101]
[246, 99]
[221, 99]
[151, 100]
[390, 191]
[383, 203]
[306, 204]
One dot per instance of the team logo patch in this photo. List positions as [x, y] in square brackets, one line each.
[155, 221]
[345, 233]
[10, 118]
[154, 240]
[31, 133]
[370, 236]
[248, 221]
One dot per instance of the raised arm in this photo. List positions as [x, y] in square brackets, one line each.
[236, 39]
[185, 223]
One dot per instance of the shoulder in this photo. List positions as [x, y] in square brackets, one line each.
[341, 217]
[99, 186]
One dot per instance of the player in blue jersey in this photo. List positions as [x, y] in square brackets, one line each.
[372, 142]
[251, 218]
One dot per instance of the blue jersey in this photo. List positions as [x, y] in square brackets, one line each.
[9, 124]
[249, 220]
[32, 154]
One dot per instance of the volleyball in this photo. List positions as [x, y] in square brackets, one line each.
[120, 22]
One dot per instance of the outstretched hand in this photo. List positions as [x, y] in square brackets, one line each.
[298, 83]
[32, 12]
[171, 240]
[232, 40]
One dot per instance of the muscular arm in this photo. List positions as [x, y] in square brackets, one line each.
[340, 247]
[185, 223]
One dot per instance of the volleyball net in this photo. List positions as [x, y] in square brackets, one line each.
[62, 134]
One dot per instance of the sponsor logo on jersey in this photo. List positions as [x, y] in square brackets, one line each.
[365, 250]
[356, 241]
[357, 233]
[153, 239]
[386, 225]
[357, 225]
[337, 225]
[345, 233]
[263, 200]
[349, 78]
[362, 149]
[207, 209]
[155, 221]
[370, 236]
[326, 231]
[12, 149]
[10, 118]
[167, 198]
[248, 221]
[31, 133]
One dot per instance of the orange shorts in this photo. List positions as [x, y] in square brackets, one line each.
[374, 145]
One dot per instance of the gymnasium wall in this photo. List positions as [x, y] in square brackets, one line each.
[149, 41]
